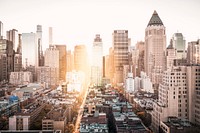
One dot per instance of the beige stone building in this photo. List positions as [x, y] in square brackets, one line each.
[155, 45]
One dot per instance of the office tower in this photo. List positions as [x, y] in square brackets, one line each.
[52, 57]
[111, 65]
[178, 42]
[1, 30]
[134, 60]
[50, 36]
[106, 66]
[70, 61]
[81, 61]
[15, 38]
[172, 97]
[80, 58]
[19, 48]
[193, 52]
[29, 49]
[39, 54]
[120, 49]
[140, 46]
[97, 61]
[50, 72]
[6, 59]
[62, 61]
[12, 35]
[155, 45]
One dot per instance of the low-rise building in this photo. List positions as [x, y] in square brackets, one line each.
[55, 120]
[21, 78]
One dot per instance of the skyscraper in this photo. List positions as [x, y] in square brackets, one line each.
[1, 30]
[155, 45]
[178, 42]
[97, 61]
[6, 59]
[80, 58]
[70, 61]
[50, 36]
[39, 54]
[29, 49]
[140, 46]
[12, 35]
[62, 61]
[81, 61]
[120, 49]
[15, 38]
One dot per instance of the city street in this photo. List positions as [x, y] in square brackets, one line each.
[80, 113]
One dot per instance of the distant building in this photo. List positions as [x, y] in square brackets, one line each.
[62, 61]
[12, 35]
[170, 56]
[70, 61]
[6, 59]
[80, 58]
[1, 30]
[39, 55]
[193, 52]
[29, 49]
[50, 72]
[120, 52]
[20, 78]
[155, 45]
[17, 62]
[140, 46]
[50, 36]
[48, 75]
[97, 61]
[178, 42]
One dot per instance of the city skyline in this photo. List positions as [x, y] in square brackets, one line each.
[77, 22]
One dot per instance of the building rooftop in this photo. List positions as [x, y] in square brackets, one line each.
[155, 20]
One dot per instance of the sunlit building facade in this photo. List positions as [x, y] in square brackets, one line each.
[62, 61]
[29, 49]
[97, 61]
[120, 51]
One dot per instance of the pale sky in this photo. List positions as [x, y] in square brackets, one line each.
[77, 21]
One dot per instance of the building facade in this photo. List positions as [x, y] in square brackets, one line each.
[193, 52]
[20, 78]
[62, 61]
[155, 45]
[97, 61]
[120, 52]
[29, 49]
[6, 59]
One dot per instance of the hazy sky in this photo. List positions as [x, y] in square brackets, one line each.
[77, 21]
